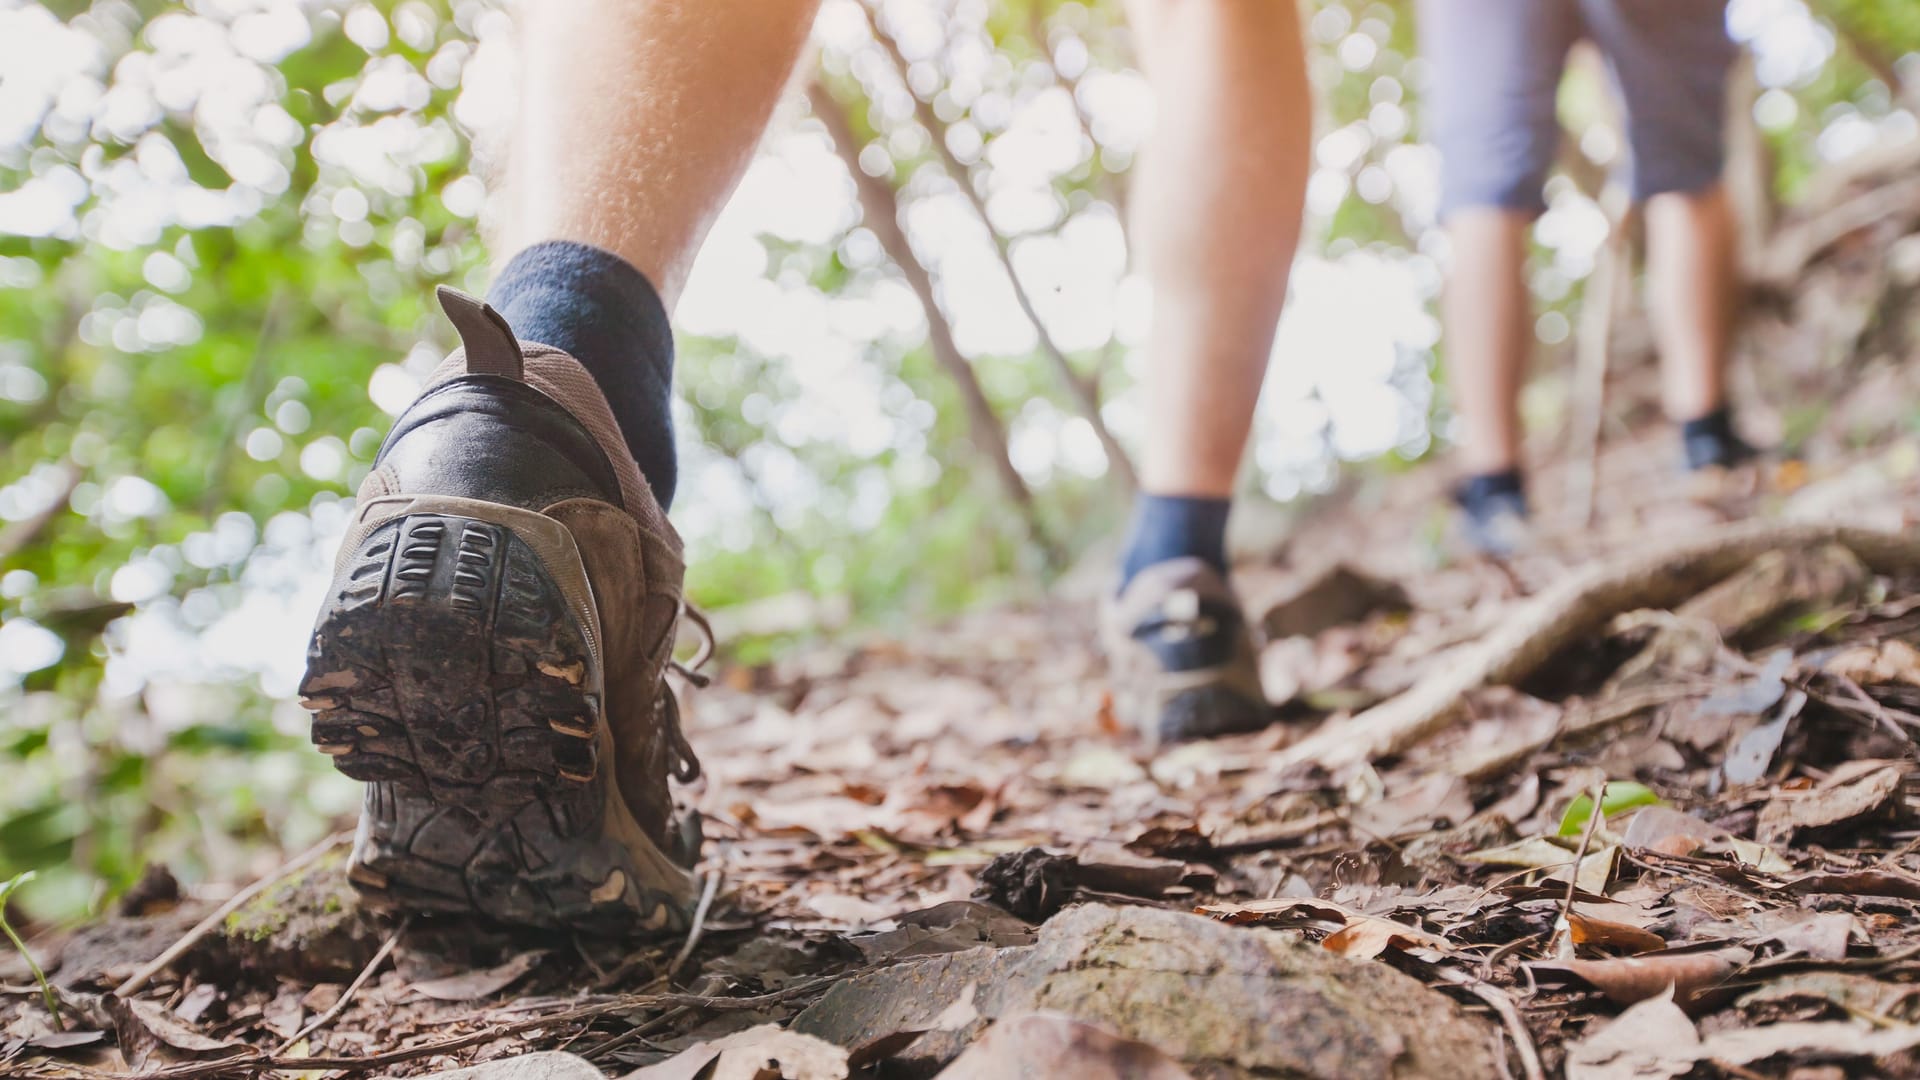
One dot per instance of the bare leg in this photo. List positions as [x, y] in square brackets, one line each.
[1488, 319]
[637, 118]
[1217, 208]
[1692, 278]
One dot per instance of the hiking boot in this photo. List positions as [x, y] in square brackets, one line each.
[1493, 515]
[1181, 656]
[1714, 446]
[490, 657]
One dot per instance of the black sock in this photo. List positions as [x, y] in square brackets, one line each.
[1175, 526]
[1717, 424]
[1480, 488]
[605, 314]
[1710, 440]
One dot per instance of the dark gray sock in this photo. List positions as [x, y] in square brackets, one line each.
[1175, 526]
[607, 315]
[1711, 441]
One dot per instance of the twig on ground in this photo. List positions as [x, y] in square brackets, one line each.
[340, 1005]
[635, 1034]
[1564, 924]
[1576, 720]
[1577, 606]
[625, 968]
[259, 1062]
[699, 924]
[1290, 834]
[587, 1013]
[1891, 719]
[1504, 951]
[205, 926]
[1502, 1003]
[580, 950]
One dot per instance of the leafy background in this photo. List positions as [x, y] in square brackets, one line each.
[220, 223]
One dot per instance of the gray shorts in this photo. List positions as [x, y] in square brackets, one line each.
[1494, 72]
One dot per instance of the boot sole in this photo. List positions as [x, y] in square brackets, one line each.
[455, 668]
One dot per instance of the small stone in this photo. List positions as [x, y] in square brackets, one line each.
[1226, 1001]
[310, 926]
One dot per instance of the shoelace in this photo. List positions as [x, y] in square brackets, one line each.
[685, 765]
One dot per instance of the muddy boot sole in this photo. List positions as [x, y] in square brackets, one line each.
[455, 668]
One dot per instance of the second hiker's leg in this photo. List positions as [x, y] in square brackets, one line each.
[1494, 67]
[1692, 274]
[1671, 62]
[1217, 203]
[1489, 318]
[1217, 196]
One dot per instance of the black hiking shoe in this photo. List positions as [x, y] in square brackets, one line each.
[1711, 443]
[490, 657]
[1181, 655]
[1493, 514]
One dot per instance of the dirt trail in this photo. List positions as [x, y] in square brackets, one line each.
[942, 843]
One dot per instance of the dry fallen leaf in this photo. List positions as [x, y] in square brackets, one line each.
[1535, 852]
[65, 1040]
[1416, 807]
[1631, 979]
[1282, 910]
[1669, 831]
[1859, 995]
[766, 1052]
[1367, 936]
[1051, 1045]
[1743, 1046]
[1652, 1040]
[1600, 935]
[1820, 935]
[468, 985]
[1889, 662]
[1859, 883]
[1844, 796]
[147, 1032]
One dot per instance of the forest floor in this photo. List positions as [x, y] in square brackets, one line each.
[941, 852]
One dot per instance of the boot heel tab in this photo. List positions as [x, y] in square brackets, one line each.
[491, 348]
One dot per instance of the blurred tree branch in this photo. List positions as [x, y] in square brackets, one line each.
[1079, 388]
[19, 535]
[1864, 47]
[1112, 185]
[880, 208]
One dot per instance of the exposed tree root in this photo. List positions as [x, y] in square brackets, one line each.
[1577, 607]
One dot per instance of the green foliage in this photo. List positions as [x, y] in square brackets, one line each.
[1618, 797]
[39, 977]
[204, 384]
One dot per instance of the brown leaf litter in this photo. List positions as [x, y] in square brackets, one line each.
[938, 852]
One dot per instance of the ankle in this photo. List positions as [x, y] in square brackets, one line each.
[1710, 440]
[1167, 527]
[600, 310]
[1481, 493]
[1716, 423]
